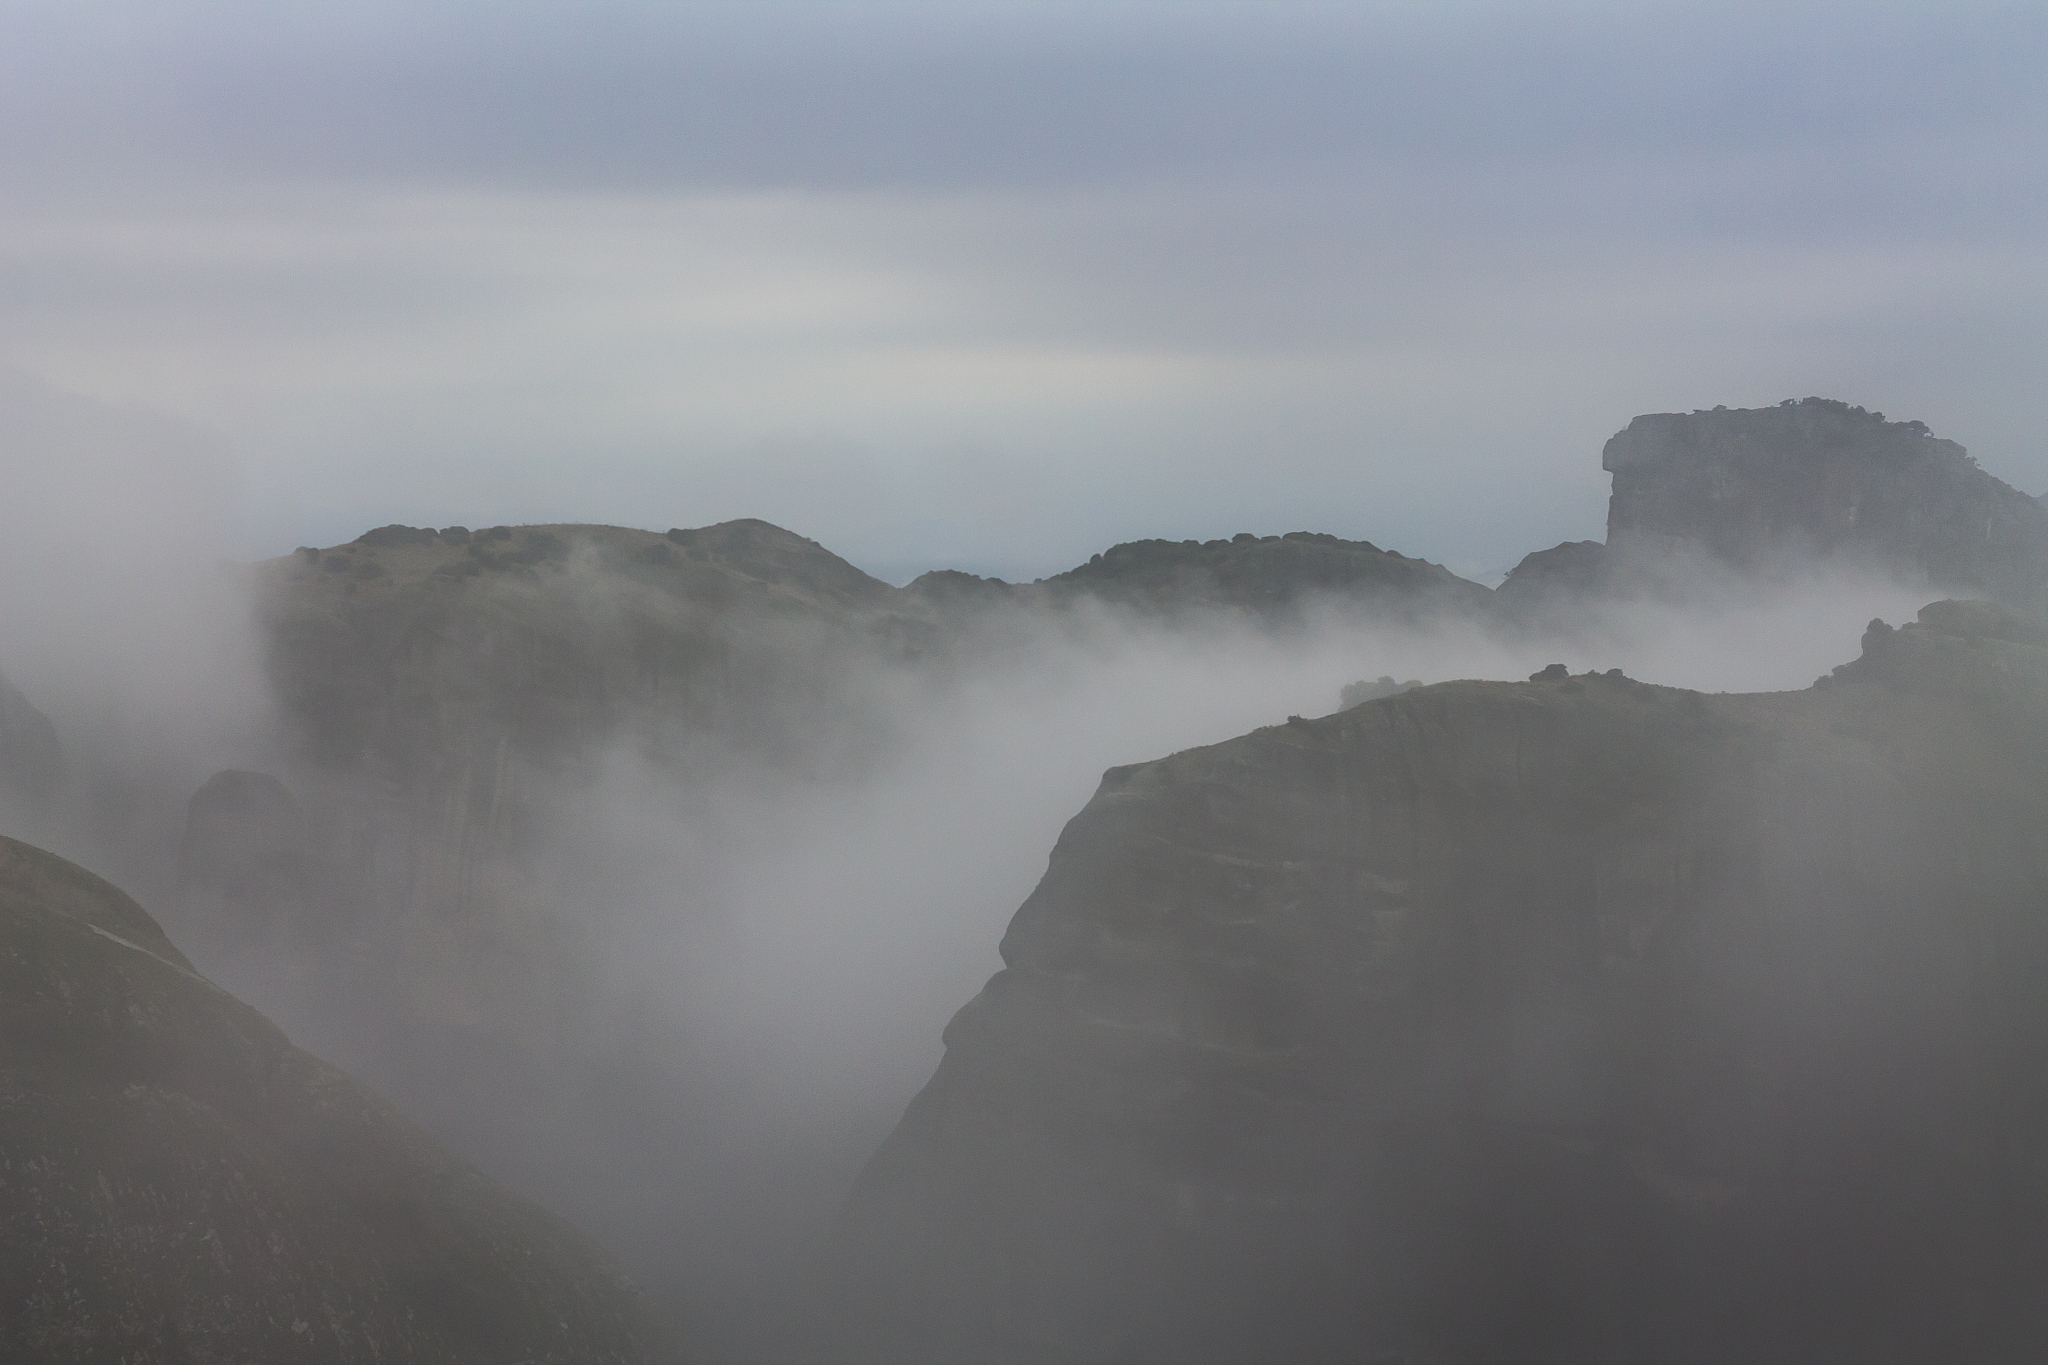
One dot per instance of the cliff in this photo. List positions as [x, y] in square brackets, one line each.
[180, 1184]
[1574, 1020]
[1756, 488]
[429, 884]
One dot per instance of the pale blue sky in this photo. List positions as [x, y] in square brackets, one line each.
[994, 286]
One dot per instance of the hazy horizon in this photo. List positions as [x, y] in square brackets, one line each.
[993, 287]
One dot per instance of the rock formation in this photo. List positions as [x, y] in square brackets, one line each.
[446, 688]
[180, 1184]
[1754, 488]
[1269, 577]
[1363, 691]
[1575, 1020]
[422, 887]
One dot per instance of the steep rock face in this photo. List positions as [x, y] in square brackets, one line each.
[1821, 476]
[180, 1184]
[1760, 489]
[1576, 1020]
[431, 891]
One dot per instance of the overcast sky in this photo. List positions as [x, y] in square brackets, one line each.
[994, 286]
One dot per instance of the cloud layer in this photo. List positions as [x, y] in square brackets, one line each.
[994, 286]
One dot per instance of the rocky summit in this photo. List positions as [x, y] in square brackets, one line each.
[1271, 575]
[1758, 489]
[179, 1184]
[1573, 1020]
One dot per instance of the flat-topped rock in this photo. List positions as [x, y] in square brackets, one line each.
[1748, 485]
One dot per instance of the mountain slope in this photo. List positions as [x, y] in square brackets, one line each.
[1572, 1020]
[180, 1184]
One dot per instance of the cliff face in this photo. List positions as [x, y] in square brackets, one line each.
[449, 693]
[430, 886]
[1575, 1020]
[1824, 477]
[1751, 488]
[180, 1184]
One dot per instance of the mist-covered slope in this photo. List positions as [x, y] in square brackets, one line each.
[180, 1184]
[1572, 1020]
[450, 698]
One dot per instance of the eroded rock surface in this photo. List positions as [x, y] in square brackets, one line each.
[180, 1184]
[1765, 489]
[1576, 1020]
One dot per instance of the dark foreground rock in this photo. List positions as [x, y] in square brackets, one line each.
[1576, 1020]
[180, 1184]
[1763, 489]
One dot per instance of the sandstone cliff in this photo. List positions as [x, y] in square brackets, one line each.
[1576, 1020]
[1755, 489]
[180, 1184]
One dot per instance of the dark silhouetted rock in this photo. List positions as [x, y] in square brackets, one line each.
[1766, 490]
[950, 589]
[395, 534]
[1821, 477]
[1575, 570]
[1272, 576]
[1361, 692]
[180, 1184]
[1580, 1020]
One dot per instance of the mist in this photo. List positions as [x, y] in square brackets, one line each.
[769, 936]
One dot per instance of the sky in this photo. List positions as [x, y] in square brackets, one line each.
[994, 286]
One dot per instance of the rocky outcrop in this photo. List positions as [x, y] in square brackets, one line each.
[1760, 489]
[1271, 579]
[448, 690]
[180, 1184]
[1574, 1020]
[1558, 577]
[1360, 692]
[431, 889]
[1271, 576]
